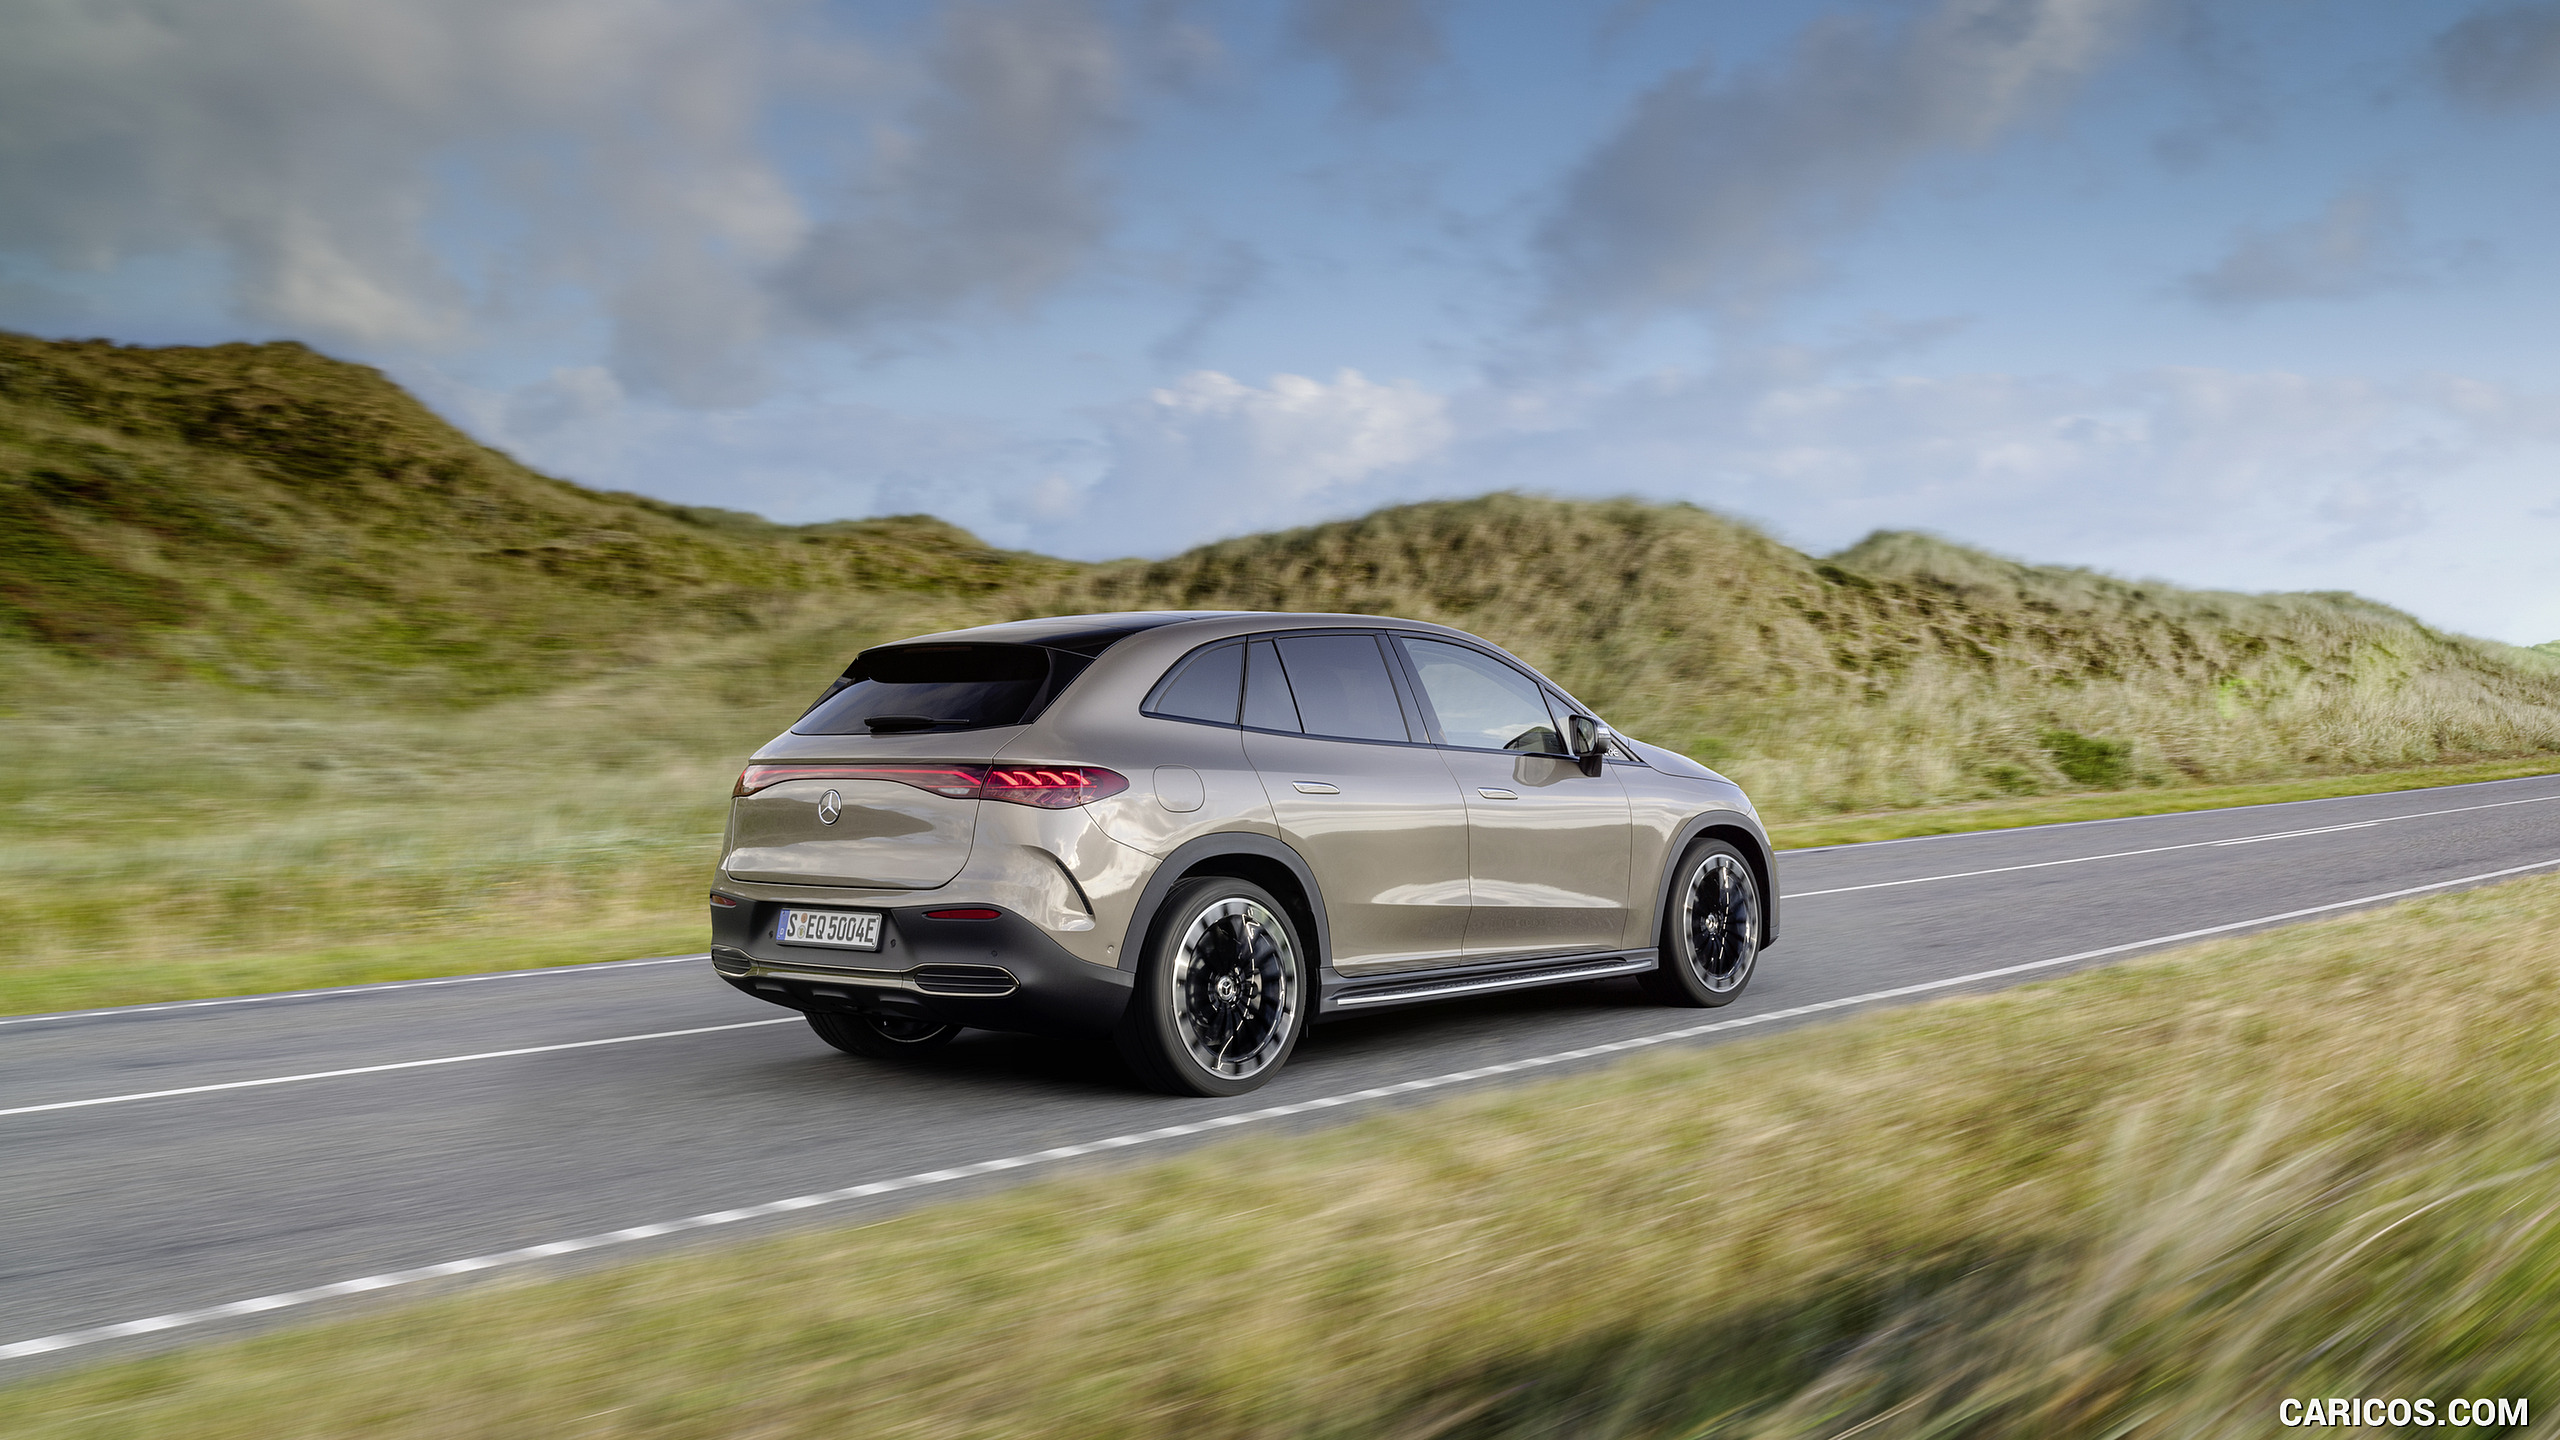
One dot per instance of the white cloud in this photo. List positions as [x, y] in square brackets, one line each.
[1211, 455]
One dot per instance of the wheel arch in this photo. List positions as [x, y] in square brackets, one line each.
[1238, 855]
[1744, 834]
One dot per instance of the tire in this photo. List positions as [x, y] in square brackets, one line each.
[1710, 929]
[1222, 993]
[879, 1037]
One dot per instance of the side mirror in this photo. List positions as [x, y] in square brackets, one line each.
[1588, 739]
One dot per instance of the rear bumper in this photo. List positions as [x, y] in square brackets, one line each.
[1000, 974]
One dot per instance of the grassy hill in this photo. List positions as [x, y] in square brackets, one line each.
[261, 516]
[285, 658]
[1903, 671]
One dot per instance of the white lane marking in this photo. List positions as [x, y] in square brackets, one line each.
[2162, 849]
[2332, 829]
[66, 1340]
[380, 1069]
[376, 986]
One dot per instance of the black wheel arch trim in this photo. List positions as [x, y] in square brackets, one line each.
[1175, 867]
[1756, 851]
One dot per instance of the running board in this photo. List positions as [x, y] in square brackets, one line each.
[1446, 985]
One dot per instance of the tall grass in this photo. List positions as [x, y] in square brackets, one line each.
[166, 840]
[2152, 1200]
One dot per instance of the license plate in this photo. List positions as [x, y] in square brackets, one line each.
[836, 929]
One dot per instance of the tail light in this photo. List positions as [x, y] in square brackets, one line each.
[1050, 787]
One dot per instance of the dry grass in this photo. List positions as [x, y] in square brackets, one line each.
[2151, 1200]
[186, 843]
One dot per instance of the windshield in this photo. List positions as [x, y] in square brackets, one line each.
[940, 687]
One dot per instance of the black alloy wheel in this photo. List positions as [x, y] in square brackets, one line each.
[1710, 930]
[880, 1037]
[1221, 992]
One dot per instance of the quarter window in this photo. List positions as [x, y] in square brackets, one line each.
[1267, 703]
[1342, 687]
[1204, 688]
[1481, 703]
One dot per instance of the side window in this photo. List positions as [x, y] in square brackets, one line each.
[1342, 687]
[1482, 704]
[1203, 688]
[1267, 703]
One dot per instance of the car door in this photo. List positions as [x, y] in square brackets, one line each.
[1549, 847]
[1363, 796]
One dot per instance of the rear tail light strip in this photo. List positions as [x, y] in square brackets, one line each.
[1049, 787]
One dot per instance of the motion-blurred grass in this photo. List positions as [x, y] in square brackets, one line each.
[2149, 1200]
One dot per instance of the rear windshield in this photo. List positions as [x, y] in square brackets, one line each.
[941, 688]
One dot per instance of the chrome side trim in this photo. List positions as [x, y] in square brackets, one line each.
[873, 979]
[1595, 970]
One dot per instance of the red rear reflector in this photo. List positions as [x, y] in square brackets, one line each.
[1050, 787]
[723, 901]
[979, 914]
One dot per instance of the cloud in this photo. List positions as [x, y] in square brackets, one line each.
[2504, 58]
[415, 174]
[2358, 245]
[985, 194]
[1212, 456]
[1715, 195]
[1382, 47]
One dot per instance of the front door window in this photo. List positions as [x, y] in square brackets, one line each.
[1549, 848]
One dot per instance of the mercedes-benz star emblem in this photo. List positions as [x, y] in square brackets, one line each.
[830, 805]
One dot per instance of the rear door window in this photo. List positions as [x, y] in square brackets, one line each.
[1481, 703]
[1342, 687]
[941, 687]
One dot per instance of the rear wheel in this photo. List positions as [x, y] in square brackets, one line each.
[1221, 996]
[1710, 931]
[879, 1037]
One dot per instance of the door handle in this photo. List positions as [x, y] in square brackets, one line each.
[1493, 794]
[1315, 787]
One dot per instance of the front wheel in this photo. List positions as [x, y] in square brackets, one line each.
[1710, 931]
[879, 1037]
[1221, 995]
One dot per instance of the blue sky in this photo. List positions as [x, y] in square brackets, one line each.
[2253, 295]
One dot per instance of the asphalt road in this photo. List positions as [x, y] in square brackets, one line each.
[641, 1106]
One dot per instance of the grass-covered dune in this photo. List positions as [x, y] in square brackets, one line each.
[264, 517]
[1902, 671]
[2151, 1200]
[300, 685]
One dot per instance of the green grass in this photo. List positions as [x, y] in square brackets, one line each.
[2150, 1200]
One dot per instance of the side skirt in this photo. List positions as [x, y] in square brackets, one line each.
[1345, 994]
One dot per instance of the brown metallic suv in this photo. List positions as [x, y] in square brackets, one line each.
[1197, 832]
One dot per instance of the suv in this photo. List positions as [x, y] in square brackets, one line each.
[1197, 832]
